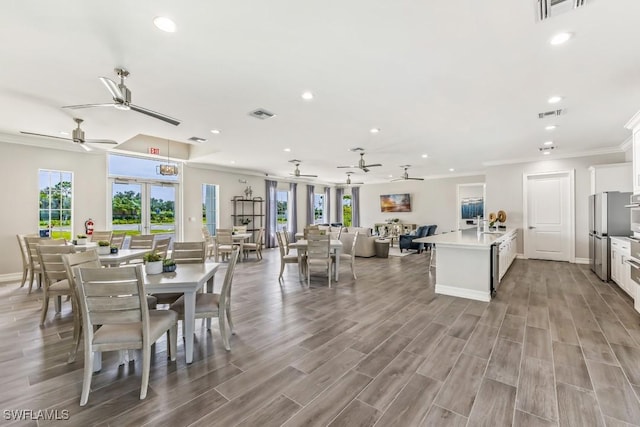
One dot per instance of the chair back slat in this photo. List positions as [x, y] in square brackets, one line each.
[318, 245]
[88, 259]
[281, 244]
[189, 252]
[161, 246]
[117, 240]
[224, 236]
[101, 236]
[51, 261]
[112, 295]
[141, 241]
[240, 228]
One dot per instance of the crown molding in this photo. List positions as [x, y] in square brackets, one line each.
[626, 144]
[633, 121]
[556, 155]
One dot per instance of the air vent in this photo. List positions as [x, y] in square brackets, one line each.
[546, 9]
[552, 113]
[549, 148]
[261, 114]
[197, 139]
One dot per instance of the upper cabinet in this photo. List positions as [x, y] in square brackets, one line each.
[634, 126]
[611, 177]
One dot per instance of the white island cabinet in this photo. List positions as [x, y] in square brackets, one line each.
[620, 268]
[463, 264]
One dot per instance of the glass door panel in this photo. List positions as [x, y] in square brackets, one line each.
[126, 208]
[162, 210]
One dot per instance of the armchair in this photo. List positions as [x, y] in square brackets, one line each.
[406, 240]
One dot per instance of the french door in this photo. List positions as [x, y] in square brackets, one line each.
[144, 207]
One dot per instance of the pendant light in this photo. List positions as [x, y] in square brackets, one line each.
[167, 169]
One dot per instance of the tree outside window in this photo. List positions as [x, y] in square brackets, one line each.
[55, 203]
[318, 209]
[282, 210]
[346, 210]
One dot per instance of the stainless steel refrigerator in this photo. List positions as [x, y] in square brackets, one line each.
[607, 217]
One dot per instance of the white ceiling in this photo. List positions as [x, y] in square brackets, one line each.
[462, 80]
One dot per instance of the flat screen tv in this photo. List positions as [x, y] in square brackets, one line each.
[395, 202]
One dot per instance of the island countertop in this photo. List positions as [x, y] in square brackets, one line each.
[468, 237]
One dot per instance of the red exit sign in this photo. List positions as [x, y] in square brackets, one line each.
[153, 150]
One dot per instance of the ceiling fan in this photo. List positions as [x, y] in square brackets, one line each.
[405, 175]
[122, 99]
[297, 173]
[77, 136]
[348, 182]
[361, 164]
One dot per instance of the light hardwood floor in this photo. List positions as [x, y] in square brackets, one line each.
[555, 347]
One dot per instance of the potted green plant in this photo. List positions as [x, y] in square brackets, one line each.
[168, 265]
[114, 249]
[81, 239]
[245, 221]
[152, 263]
[104, 247]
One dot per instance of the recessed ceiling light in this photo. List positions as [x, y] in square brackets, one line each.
[546, 153]
[451, 169]
[287, 149]
[550, 127]
[307, 96]
[424, 156]
[554, 99]
[375, 130]
[215, 131]
[548, 143]
[165, 24]
[560, 38]
[390, 176]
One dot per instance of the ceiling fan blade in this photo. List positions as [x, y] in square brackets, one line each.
[46, 136]
[373, 165]
[397, 179]
[348, 167]
[75, 107]
[113, 89]
[101, 141]
[308, 176]
[416, 179]
[155, 114]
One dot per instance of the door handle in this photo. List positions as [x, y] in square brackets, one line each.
[531, 227]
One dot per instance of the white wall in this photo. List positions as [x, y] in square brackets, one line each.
[504, 191]
[433, 201]
[19, 166]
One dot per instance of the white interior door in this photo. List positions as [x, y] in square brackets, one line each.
[549, 217]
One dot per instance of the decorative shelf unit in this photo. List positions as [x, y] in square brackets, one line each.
[252, 209]
[393, 229]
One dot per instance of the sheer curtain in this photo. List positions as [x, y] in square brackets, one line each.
[339, 195]
[355, 206]
[293, 210]
[271, 214]
[310, 194]
[327, 204]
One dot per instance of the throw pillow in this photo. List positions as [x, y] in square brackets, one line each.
[412, 233]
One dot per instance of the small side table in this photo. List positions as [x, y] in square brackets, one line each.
[382, 248]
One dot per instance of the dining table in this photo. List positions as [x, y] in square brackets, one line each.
[335, 246]
[239, 239]
[187, 279]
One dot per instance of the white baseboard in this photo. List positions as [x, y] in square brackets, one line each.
[463, 293]
[582, 260]
[521, 256]
[11, 277]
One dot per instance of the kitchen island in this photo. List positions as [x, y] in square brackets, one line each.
[467, 266]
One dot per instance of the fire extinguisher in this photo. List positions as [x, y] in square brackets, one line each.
[88, 227]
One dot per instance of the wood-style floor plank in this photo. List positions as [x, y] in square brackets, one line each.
[382, 350]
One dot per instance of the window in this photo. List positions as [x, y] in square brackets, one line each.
[137, 167]
[282, 210]
[346, 210]
[56, 197]
[318, 209]
[210, 207]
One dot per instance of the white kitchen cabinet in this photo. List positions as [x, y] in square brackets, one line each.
[620, 269]
[611, 177]
[634, 126]
[508, 252]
